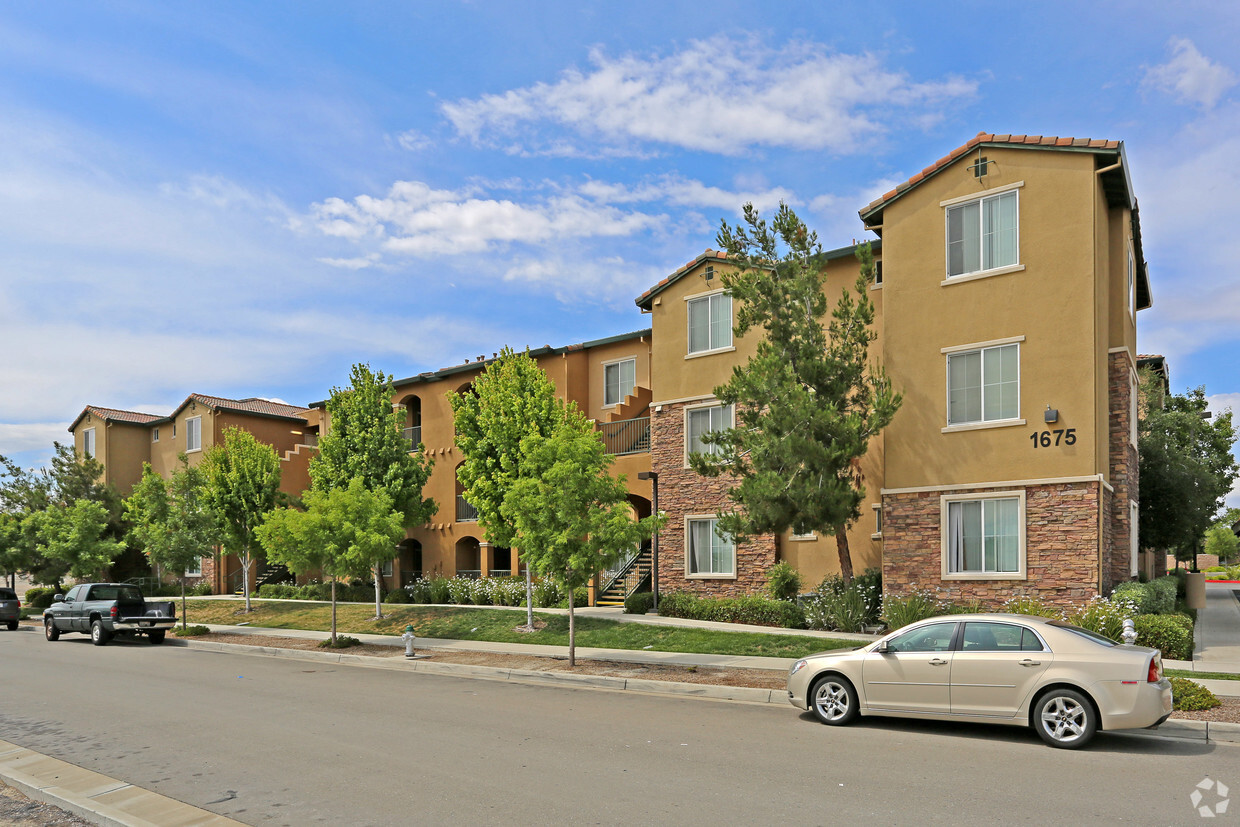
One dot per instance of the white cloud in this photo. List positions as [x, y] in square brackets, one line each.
[678, 191]
[32, 436]
[609, 278]
[1191, 76]
[414, 141]
[720, 95]
[1220, 402]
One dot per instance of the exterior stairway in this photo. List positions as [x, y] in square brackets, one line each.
[630, 578]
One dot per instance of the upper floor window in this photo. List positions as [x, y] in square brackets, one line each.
[982, 234]
[983, 385]
[619, 379]
[710, 322]
[193, 434]
[154, 435]
[88, 442]
[702, 421]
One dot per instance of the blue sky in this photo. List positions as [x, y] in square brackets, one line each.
[244, 199]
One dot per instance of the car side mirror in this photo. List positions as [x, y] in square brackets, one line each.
[58, 598]
[881, 648]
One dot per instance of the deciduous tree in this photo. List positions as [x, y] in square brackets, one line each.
[76, 536]
[808, 402]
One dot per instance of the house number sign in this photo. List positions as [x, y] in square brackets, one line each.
[1045, 439]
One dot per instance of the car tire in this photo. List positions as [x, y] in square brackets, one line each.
[49, 629]
[156, 637]
[12, 625]
[1065, 719]
[833, 700]
[98, 635]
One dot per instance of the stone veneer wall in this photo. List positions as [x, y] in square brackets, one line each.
[682, 492]
[1117, 550]
[1061, 546]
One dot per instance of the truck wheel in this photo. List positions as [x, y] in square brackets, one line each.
[49, 629]
[156, 637]
[98, 635]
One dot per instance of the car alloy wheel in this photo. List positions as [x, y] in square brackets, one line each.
[1065, 719]
[834, 701]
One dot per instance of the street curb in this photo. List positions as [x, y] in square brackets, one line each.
[742, 694]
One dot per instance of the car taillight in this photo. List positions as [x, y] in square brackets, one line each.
[1156, 672]
[115, 612]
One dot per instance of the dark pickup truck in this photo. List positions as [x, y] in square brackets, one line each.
[104, 610]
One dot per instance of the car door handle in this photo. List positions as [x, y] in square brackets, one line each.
[1028, 662]
[937, 662]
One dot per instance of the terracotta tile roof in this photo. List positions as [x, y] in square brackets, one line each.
[251, 405]
[115, 415]
[713, 255]
[987, 138]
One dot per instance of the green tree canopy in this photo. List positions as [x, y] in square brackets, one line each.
[512, 401]
[76, 536]
[570, 517]
[1187, 467]
[808, 402]
[364, 442]
[243, 478]
[341, 533]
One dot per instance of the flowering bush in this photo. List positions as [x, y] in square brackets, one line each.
[845, 607]
[918, 604]
[1105, 615]
[1026, 605]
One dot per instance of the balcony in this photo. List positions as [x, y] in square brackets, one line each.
[414, 435]
[465, 513]
[628, 436]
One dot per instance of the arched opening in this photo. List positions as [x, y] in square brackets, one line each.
[468, 557]
[412, 403]
[501, 561]
[465, 513]
[409, 557]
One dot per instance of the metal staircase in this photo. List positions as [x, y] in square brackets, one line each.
[629, 577]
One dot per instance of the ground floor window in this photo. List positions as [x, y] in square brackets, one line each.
[984, 535]
[194, 569]
[708, 552]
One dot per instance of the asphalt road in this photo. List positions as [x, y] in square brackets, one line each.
[276, 741]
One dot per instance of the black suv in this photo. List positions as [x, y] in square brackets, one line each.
[10, 608]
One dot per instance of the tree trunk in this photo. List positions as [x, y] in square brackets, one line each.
[333, 612]
[245, 579]
[529, 597]
[572, 631]
[378, 602]
[841, 545]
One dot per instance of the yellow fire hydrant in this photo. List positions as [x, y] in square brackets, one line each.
[407, 637]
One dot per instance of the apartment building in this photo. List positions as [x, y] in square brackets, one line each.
[1011, 277]
[608, 379]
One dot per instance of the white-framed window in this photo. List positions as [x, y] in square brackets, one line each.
[983, 234]
[701, 421]
[983, 535]
[619, 379]
[88, 442]
[386, 571]
[707, 552]
[193, 433]
[154, 435]
[1134, 538]
[710, 322]
[809, 535]
[194, 569]
[878, 519]
[983, 385]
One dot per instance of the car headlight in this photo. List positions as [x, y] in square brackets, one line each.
[797, 667]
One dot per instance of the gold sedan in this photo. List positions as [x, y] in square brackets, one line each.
[1064, 681]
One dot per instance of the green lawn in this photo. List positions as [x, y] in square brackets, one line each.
[498, 625]
[1201, 676]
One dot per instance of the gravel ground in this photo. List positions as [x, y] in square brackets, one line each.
[17, 809]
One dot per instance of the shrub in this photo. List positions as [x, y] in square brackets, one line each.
[752, 610]
[546, 594]
[439, 591]
[1104, 615]
[190, 631]
[1190, 696]
[1028, 605]
[201, 590]
[581, 597]
[280, 591]
[1141, 594]
[919, 604]
[342, 642]
[1164, 595]
[460, 590]
[508, 591]
[783, 582]
[638, 603]
[398, 596]
[39, 597]
[846, 608]
[1170, 634]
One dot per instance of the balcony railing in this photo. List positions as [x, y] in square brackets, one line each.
[628, 436]
[414, 435]
[465, 513]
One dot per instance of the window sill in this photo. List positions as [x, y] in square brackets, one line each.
[980, 426]
[701, 353]
[802, 538]
[193, 450]
[710, 576]
[878, 535]
[982, 274]
[977, 575]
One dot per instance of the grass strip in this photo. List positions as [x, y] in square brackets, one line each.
[499, 626]
[1201, 676]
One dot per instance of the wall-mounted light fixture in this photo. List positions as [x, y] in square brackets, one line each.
[1051, 415]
